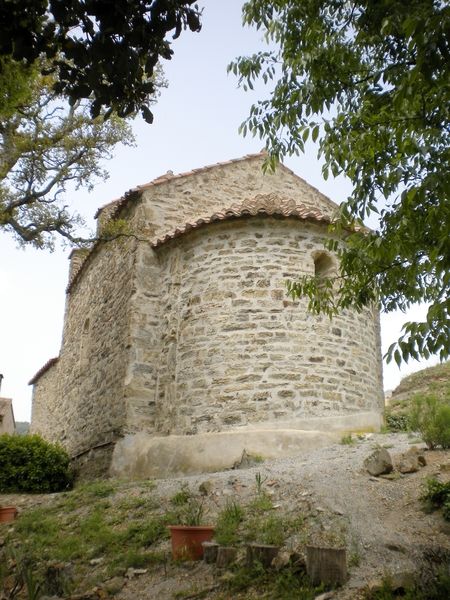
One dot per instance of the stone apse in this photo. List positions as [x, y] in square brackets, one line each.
[180, 345]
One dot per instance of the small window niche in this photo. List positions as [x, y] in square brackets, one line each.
[324, 267]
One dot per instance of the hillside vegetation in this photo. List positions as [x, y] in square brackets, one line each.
[110, 538]
[433, 380]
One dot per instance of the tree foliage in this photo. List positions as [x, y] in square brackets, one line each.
[45, 144]
[99, 50]
[368, 79]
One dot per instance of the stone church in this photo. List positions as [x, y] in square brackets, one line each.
[181, 348]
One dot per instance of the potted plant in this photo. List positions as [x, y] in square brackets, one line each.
[7, 513]
[188, 536]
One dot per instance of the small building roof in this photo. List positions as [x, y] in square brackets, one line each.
[43, 369]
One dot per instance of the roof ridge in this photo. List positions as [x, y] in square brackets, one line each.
[169, 176]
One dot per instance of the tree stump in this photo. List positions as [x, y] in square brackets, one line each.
[261, 553]
[226, 555]
[326, 565]
[57, 579]
[210, 552]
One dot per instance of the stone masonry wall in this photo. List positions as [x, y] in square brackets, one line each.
[198, 334]
[166, 206]
[84, 391]
[163, 208]
[144, 341]
[236, 350]
[47, 418]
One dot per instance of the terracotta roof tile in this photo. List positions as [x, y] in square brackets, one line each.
[43, 369]
[236, 211]
[262, 204]
[169, 177]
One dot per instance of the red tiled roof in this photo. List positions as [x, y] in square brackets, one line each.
[43, 369]
[168, 177]
[243, 210]
[262, 204]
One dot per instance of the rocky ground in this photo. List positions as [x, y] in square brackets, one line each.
[379, 519]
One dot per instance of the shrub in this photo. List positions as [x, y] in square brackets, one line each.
[430, 416]
[397, 422]
[182, 497]
[30, 464]
[437, 495]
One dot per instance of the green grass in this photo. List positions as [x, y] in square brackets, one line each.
[95, 520]
[288, 584]
[348, 440]
[437, 587]
[228, 522]
[182, 497]
[261, 503]
[437, 495]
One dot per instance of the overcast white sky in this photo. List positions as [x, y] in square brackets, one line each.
[196, 122]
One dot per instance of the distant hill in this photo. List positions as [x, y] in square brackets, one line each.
[433, 380]
[22, 427]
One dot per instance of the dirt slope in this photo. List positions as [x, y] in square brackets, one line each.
[379, 521]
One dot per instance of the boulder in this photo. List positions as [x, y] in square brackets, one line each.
[206, 487]
[281, 560]
[411, 461]
[379, 462]
[246, 461]
[114, 585]
[131, 572]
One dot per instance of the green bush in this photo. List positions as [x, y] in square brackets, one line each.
[397, 422]
[437, 495]
[30, 464]
[430, 416]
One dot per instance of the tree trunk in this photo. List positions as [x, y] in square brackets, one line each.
[225, 556]
[210, 552]
[326, 565]
[261, 553]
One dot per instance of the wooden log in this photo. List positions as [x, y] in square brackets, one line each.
[261, 553]
[326, 565]
[226, 555]
[210, 552]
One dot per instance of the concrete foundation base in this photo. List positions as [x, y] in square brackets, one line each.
[141, 455]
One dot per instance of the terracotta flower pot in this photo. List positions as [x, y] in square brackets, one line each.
[7, 513]
[187, 541]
